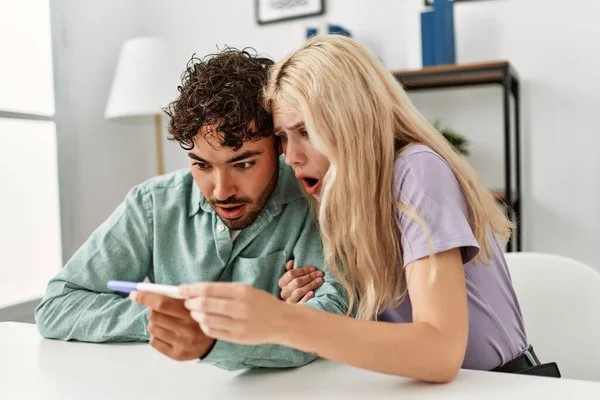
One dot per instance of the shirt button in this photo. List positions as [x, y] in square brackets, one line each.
[220, 227]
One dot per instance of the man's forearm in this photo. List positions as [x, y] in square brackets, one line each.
[69, 313]
[329, 298]
[231, 356]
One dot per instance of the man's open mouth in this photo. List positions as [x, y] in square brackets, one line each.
[231, 211]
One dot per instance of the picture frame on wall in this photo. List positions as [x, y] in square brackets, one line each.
[271, 11]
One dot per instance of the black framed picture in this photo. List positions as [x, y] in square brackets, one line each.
[270, 11]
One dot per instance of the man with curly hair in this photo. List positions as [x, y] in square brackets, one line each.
[236, 215]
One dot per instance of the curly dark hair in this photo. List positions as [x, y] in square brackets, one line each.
[224, 88]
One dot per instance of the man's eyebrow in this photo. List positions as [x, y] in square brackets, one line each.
[197, 158]
[294, 127]
[244, 155]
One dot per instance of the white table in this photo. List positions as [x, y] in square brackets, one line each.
[36, 368]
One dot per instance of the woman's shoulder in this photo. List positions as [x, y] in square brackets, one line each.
[421, 164]
[416, 149]
[426, 185]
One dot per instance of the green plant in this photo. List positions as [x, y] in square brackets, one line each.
[458, 141]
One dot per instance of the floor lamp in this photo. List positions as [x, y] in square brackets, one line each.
[144, 82]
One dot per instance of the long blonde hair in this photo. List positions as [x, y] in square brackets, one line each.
[359, 116]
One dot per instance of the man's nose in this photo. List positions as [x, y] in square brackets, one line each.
[224, 187]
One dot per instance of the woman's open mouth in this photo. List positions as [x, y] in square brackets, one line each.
[311, 185]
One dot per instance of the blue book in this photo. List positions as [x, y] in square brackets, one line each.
[427, 38]
[444, 44]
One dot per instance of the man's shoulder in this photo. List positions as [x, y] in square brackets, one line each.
[171, 190]
[173, 182]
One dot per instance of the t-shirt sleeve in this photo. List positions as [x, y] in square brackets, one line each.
[427, 186]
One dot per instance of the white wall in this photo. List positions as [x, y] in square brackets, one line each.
[98, 160]
[553, 46]
[556, 62]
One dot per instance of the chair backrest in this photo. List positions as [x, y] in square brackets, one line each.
[560, 301]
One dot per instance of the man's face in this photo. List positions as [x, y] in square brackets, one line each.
[237, 184]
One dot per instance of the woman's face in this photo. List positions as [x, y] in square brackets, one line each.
[309, 165]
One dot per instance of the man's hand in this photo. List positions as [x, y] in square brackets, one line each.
[298, 285]
[172, 330]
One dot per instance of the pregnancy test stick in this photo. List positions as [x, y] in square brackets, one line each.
[128, 287]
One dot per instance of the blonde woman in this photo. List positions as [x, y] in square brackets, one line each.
[408, 229]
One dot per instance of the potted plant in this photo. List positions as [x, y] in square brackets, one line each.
[458, 141]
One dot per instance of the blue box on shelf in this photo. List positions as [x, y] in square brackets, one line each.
[437, 34]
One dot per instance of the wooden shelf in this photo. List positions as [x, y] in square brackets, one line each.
[455, 75]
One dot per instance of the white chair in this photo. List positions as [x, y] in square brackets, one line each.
[560, 301]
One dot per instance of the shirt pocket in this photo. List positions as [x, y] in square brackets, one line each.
[262, 273]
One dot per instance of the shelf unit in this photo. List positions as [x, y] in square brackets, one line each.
[475, 74]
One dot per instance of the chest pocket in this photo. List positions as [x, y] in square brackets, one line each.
[262, 273]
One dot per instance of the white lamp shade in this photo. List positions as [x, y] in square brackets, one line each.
[145, 79]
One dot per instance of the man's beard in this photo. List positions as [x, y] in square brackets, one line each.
[256, 207]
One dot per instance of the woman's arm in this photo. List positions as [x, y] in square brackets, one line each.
[432, 348]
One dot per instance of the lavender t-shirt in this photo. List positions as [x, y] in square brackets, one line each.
[425, 182]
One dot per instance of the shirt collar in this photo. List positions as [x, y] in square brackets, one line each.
[286, 191]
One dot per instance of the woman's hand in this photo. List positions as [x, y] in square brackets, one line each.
[235, 312]
[298, 285]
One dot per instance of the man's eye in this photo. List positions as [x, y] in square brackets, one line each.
[281, 136]
[201, 166]
[244, 165]
[303, 134]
